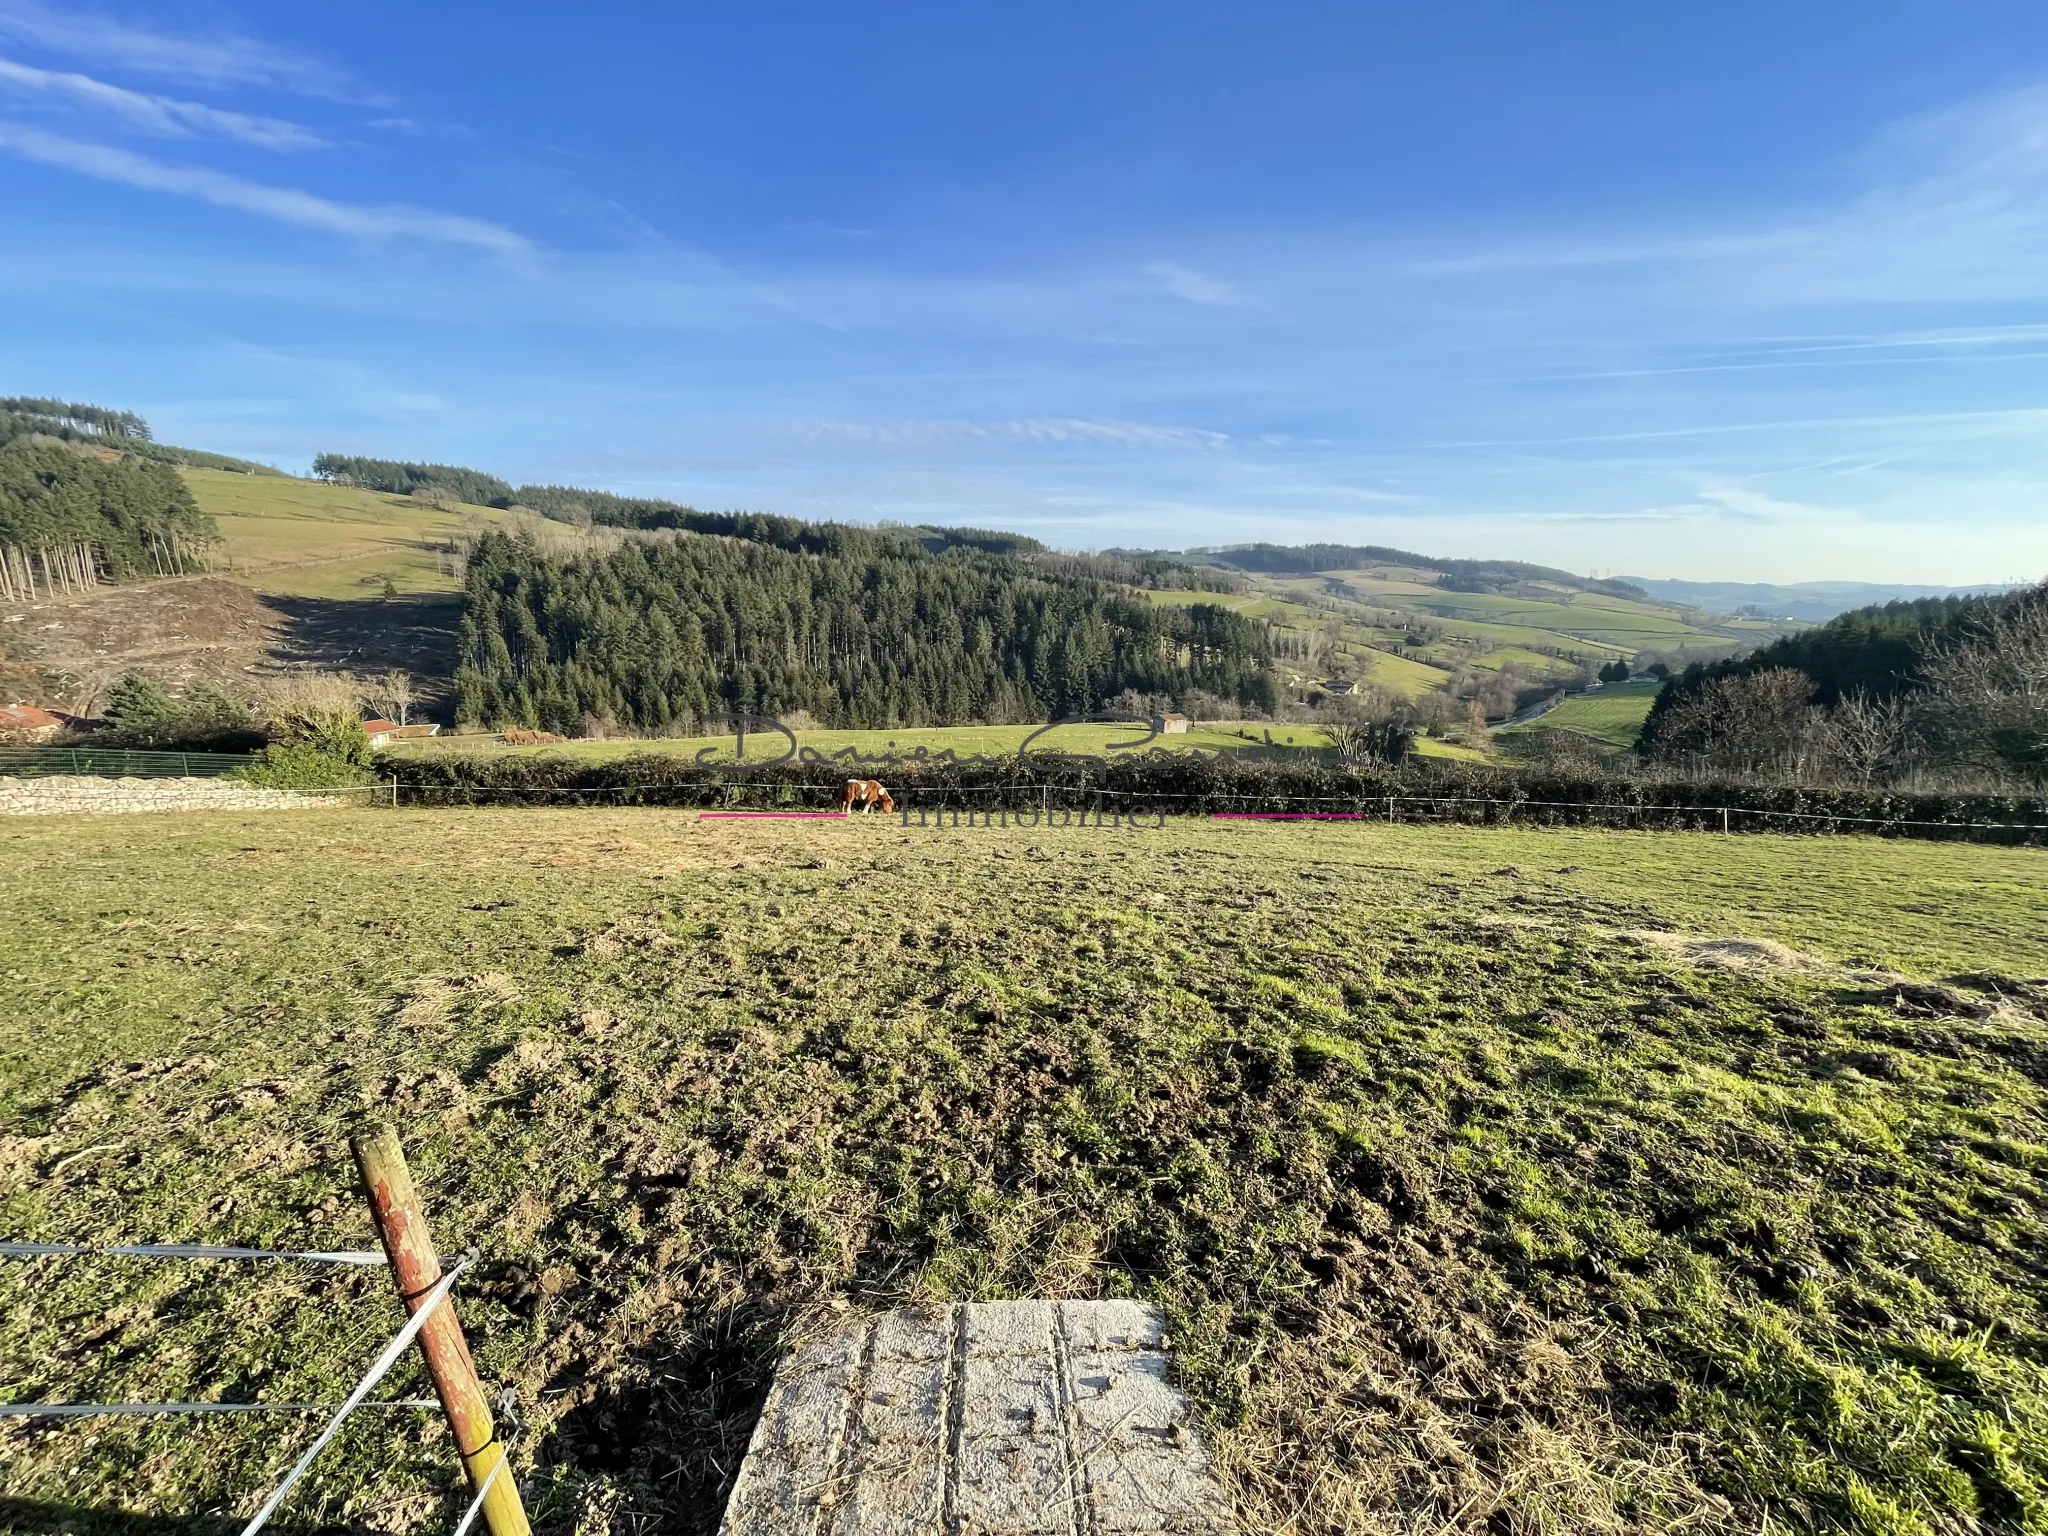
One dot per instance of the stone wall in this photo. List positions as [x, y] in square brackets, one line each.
[65, 795]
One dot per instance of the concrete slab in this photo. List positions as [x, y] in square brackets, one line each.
[1007, 1418]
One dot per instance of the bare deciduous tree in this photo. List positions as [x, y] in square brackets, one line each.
[1986, 702]
[1760, 722]
[1476, 733]
[393, 694]
[1866, 739]
[323, 708]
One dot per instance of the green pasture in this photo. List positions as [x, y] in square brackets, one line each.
[1613, 713]
[305, 538]
[1396, 674]
[1493, 1180]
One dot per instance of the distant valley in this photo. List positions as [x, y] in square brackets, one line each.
[1811, 602]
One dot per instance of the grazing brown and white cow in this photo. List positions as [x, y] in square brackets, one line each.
[865, 795]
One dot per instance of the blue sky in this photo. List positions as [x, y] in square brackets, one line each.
[1728, 291]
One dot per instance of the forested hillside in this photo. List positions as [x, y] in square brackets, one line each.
[1249, 627]
[401, 479]
[1437, 632]
[858, 627]
[1875, 652]
[1945, 685]
[70, 519]
[1506, 578]
[21, 415]
[29, 416]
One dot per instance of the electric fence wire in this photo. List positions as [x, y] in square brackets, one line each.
[384, 1362]
[117, 1410]
[483, 1491]
[183, 1251]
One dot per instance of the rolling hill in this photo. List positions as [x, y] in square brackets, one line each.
[1393, 623]
[338, 572]
[306, 538]
[304, 574]
[1412, 625]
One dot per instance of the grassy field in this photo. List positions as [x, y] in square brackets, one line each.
[1495, 1181]
[1362, 615]
[1612, 714]
[1581, 615]
[1457, 751]
[1397, 674]
[303, 538]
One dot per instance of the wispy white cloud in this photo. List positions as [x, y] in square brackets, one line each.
[1952, 206]
[288, 205]
[1195, 287]
[225, 58]
[159, 115]
[1617, 251]
[2021, 419]
[1040, 430]
[1914, 360]
[1743, 504]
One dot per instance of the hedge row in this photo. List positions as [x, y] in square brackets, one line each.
[1195, 784]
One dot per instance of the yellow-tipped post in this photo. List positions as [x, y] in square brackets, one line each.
[415, 1268]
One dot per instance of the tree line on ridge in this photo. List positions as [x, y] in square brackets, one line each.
[856, 627]
[70, 520]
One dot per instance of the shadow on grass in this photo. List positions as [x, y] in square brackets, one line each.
[673, 1419]
[415, 634]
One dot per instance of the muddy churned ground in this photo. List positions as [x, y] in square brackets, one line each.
[68, 651]
[1492, 1181]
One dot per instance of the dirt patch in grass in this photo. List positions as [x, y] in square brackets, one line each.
[66, 651]
[1476, 1204]
[1746, 955]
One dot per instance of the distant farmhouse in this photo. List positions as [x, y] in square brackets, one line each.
[382, 732]
[26, 723]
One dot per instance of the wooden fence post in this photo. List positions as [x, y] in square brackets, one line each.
[415, 1267]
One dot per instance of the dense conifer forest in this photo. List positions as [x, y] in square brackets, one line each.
[70, 519]
[858, 627]
[400, 479]
[68, 421]
[22, 415]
